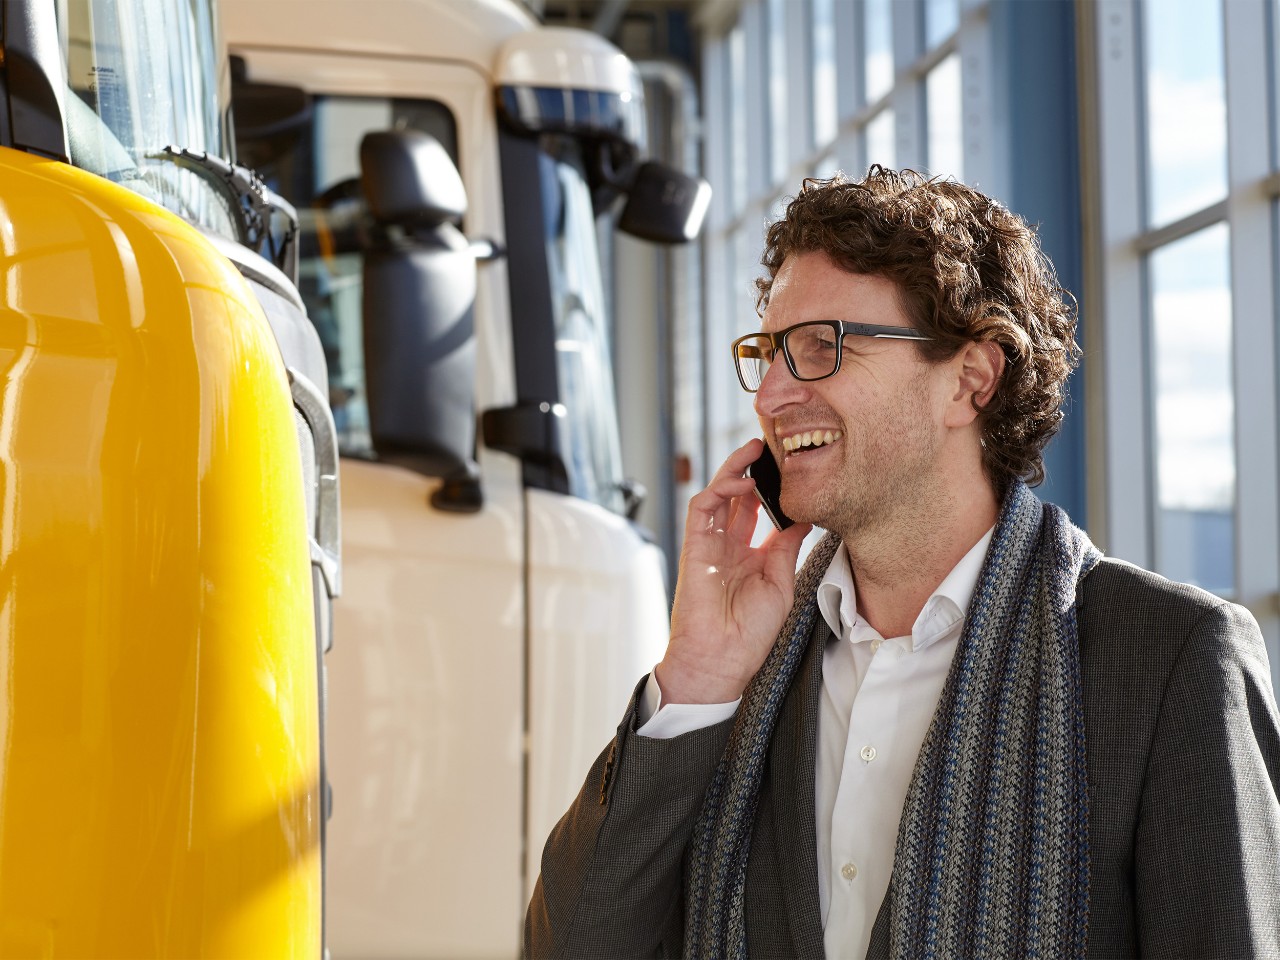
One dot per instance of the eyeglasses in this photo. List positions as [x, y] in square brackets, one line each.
[812, 350]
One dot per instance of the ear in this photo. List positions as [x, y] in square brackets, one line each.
[978, 368]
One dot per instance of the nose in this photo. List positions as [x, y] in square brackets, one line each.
[778, 390]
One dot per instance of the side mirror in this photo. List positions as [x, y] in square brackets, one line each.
[665, 205]
[419, 314]
[409, 180]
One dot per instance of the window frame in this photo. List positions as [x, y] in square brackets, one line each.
[1117, 305]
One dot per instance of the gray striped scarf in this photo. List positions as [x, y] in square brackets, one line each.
[992, 858]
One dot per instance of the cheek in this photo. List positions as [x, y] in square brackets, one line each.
[884, 421]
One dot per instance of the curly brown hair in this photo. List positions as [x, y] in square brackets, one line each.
[968, 270]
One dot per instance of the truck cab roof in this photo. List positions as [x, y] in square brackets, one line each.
[469, 33]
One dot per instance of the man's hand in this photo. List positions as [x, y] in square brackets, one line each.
[731, 598]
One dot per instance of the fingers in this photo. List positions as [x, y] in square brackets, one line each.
[746, 513]
[713, 508]
[736, 463]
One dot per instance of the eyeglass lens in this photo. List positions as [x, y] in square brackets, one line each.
[811, 347]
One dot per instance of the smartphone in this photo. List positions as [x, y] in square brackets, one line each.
[764, 471]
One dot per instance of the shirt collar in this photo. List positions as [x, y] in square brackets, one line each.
[946, 607]
[837, 600]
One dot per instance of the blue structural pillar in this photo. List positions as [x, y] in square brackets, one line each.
[1034, 42]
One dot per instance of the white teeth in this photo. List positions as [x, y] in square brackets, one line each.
[811, 438]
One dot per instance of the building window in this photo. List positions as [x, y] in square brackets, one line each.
[880, 139]
[778, 136]
[1194, 409]
[878, 52]
[1184, 188]
[826, 117]
[941, 20]
[942, 96]
[1186, 104]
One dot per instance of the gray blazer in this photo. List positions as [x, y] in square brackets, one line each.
[1184, 823]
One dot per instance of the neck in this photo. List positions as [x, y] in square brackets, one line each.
[897, 564]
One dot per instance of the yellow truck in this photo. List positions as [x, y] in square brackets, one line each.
[168, 505]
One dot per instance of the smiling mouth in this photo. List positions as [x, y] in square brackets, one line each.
[812, 440]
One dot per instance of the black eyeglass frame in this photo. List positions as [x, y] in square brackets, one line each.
[842, 329]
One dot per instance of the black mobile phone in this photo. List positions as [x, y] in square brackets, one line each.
[764, 471]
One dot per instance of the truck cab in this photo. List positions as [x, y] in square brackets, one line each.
[454, 174]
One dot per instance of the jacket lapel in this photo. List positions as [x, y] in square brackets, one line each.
[791, 776]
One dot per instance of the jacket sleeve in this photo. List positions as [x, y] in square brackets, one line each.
[1207, 845]
[611, 870]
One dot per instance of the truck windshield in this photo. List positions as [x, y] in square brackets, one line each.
[144, 75]
[584, 368]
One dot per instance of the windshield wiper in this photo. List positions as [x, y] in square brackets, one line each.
[254, 205]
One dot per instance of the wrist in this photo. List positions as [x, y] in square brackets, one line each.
[681, 683]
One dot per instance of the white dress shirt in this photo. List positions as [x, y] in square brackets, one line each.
[878, 697]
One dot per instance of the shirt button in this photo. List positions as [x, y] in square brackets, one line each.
[848, 871]
[868, 753]
[875, 645]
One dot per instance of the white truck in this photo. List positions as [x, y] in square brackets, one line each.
[450, 163]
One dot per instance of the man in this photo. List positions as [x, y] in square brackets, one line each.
[958, 731]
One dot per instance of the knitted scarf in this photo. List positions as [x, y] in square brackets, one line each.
[992, 857]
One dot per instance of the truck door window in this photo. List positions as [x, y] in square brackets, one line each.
[318, 171]
[144, 75]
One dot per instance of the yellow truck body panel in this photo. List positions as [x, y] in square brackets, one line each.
[159, 731]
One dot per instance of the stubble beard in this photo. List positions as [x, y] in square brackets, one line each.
[887, 476]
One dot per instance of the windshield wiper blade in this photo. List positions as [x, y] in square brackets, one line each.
[254, 205]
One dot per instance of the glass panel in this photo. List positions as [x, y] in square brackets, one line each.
[1274, 47]
[738, 117]
[746, 247]
[880, 140]
[849, 154]
[1194, 410]
[826, 167]
[144, 75]
[825, 117]
[779, 110]
[717, 110]
[946, 142]
[879, 48]
[318, 172]
[1186, 107]
[582, 332]
[941, 19]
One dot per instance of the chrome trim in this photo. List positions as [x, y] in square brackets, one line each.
[326, 539]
